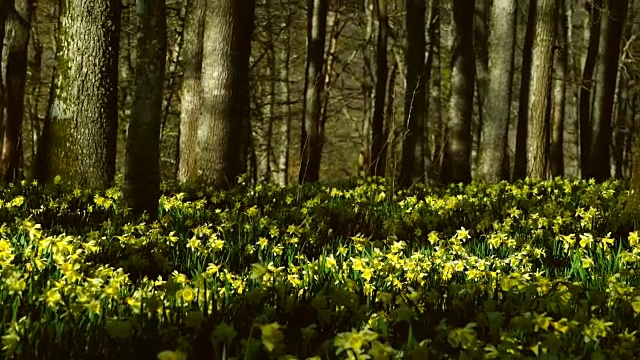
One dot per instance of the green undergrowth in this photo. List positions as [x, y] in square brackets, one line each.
[348, 271]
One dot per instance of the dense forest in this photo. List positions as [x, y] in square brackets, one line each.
[285, 91]
[320, 179]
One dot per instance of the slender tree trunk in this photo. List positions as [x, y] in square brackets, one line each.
[429, 127]
[79, 137]
[378, 141]
[435, 113]
[522, 132]
[389, 111]
[458, 148]
[367, 86]
[539, 95]
[191, 97]
[310, 142]
[560, 67]
[221, 136]
[411, 167]
[605, 90]
[586, 127]
[19, 23]
[497, 106]
[285, 90]
[142, 163]
[481, 38]
[623, 112]
[5, 8]
[270, 116]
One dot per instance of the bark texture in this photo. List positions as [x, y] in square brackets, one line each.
[520, 164]
[142, 158]
[411, 164]
[18, 26]
[191, 93]
[378, 156]
[539, 94]
[79, 136]
[560, 78]
[497, 106]
[221, 139]
[586, 126]
[311, 140]
[457, 162]
[600, 157]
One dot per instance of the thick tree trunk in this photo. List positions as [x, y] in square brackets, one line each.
[560, 67]
[457, 167]
[19, 23]
[79, 139]
[586, 126]
[378, 163]
[539, 94]
[311, 142]
[497, 106]
[225, 92]
[522, 132]
[600, 158]
[142, 163]
[411, 165]
[191, 97]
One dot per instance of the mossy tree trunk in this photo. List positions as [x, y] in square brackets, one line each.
[79, 135]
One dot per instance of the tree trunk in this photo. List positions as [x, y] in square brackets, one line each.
[221, 133]
[79, 136]
[457, 167]
[586, 127]
[435, 108]
[285, 90]
[311, 142]
[600, 157]
[623, 113]
[269, 113]
[411, 166]
[497, 106]
[378, 164]
[522, 132]
[559, 92]
[191, 97]
[481, 40]
[142, 158]
[539, 94]
[19, 23]
[367, 87]
[5, 8]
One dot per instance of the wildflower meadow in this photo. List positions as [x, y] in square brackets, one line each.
[358, 270]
